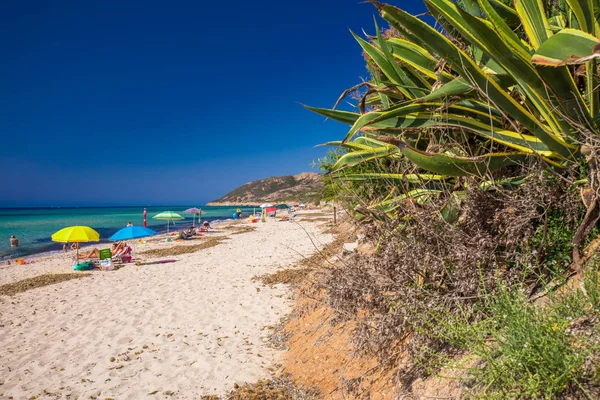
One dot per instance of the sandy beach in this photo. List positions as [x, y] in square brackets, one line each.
[182, 329]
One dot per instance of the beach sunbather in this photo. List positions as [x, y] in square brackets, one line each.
[123, 251]
[75, 246]
[117, 247]
[93, 253]
[187, 234]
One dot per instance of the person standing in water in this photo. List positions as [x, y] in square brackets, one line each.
[14, 242]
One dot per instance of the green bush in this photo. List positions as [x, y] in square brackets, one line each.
[527, 351]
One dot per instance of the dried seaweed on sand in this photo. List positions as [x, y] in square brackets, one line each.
[184, 249]
[288, 275]
[10, 289]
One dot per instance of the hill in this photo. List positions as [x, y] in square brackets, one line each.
[303, 188]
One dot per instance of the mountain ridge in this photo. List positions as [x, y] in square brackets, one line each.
[301, 188]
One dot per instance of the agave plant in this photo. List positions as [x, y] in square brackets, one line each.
[495, 86]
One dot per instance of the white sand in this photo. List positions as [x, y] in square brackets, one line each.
[192, 327]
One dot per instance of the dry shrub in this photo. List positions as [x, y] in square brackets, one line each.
[427, 266]
[10, 289]
[185, 249]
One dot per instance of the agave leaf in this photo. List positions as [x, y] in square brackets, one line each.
[534, 21]
[349, 145]
[389, 70]
[450, 211]
[518, 63]
[412, 86]
[584, 12]
[557, 23]
[391, 204]
[361, 156]
[385, 101]
[505, 12]
[450, 165]
[462, 166]
[567, 47]
[337, 115]
[414, 55]
[471, 7]
[506, 183]
[410, 178]
[505, 30]
[455, 118]
[371, 142]
[458, 86]
[437, 43]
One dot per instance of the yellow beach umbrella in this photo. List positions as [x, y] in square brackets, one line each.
[76, 234]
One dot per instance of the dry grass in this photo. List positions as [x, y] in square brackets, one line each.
[315, 219]
[273, 389]
[185, 249]
[10, 289]
[287, 276]
[242, 229]
[331, 249]
[307, 265]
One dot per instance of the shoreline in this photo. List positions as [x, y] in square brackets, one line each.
[192, 327]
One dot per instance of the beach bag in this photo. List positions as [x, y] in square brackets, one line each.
[86, 266]
[107, 264]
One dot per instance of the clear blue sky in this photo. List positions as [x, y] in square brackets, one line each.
[153, 102]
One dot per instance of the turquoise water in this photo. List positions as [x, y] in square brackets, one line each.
[35, 226]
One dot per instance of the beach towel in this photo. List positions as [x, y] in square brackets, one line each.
[86, 266]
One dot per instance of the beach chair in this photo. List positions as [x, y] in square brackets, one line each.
[123, 256]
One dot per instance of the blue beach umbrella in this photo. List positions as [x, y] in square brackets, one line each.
[132, 232]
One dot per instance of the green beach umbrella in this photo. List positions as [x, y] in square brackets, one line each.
[281, 206]
[168, 216]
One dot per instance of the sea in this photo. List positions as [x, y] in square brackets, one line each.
[35, 226]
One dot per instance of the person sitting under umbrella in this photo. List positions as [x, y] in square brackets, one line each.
[115, 248]
[187, 234]
[93, 253]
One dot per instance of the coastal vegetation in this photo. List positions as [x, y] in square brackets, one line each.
[471, 166]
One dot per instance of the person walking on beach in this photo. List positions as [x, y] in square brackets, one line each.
[14, 242]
